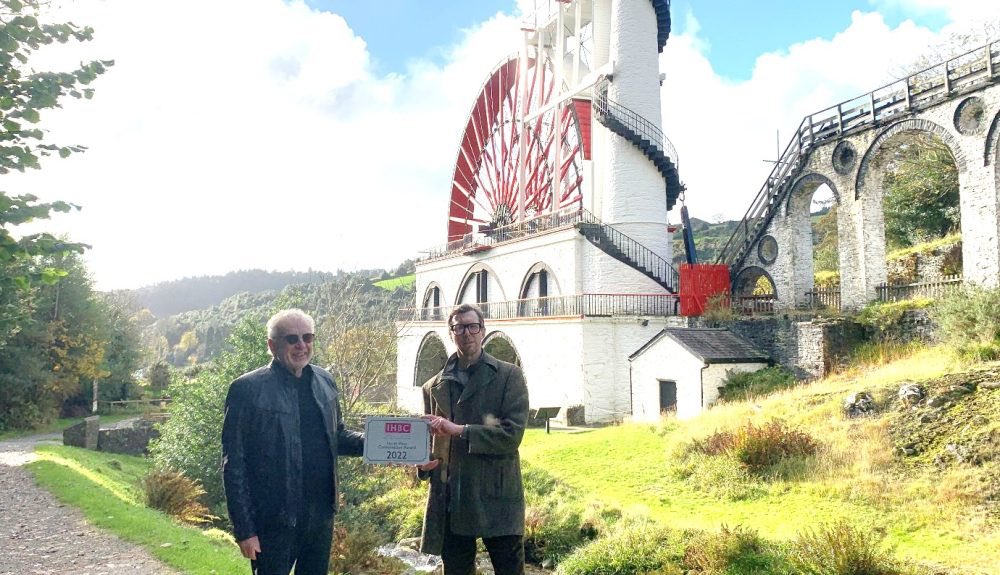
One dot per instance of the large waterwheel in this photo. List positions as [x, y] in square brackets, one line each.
[520, 155]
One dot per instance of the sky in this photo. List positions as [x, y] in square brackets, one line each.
[322, 134]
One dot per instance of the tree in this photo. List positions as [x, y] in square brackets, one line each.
[24, 93]
[921, 200]
[825, 242]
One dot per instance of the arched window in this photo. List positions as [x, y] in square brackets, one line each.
[431, 307]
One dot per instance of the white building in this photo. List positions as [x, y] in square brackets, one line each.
[557, 219]
[682, 370]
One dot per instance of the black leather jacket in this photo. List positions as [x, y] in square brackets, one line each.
[262, 451]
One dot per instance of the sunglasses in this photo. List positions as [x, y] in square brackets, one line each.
[293, 338]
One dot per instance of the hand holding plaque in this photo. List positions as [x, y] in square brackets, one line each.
[397, 440]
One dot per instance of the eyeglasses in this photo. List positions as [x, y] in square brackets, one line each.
[293, 338]
[460, 328]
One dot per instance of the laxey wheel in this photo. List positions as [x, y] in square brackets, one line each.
[491, 165]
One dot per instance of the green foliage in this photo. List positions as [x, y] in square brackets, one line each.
[719, 476]
[718, 308]
[826, 257]
[969, 322]
[921, 194]
[884, 318]
[405, 282]
[176, 495]
[24, 94]
[759, 447]
[736, 551]
[633, 548]
[826, 279]
[556, 522]
[749, 385]
[190, 439]
[842, 549]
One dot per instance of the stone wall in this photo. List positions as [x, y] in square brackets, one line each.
[131, 437]
[811, 349]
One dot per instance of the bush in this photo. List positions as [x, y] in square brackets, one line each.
[737, 551]
[720, 476]
[884, 318]
[969, 322]
[176, 495]
[841, 549]
[759, 448]
[633, 548]
[749, 385]
[190, 440]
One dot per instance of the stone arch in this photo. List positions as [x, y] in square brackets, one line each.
[499, 345]
[431, 357]
[744, 282]
[910, 125]
[433, 302]
[530, 287]
[479, 285]
[990, 151]
[806, 185]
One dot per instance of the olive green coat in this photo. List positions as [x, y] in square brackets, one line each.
[481, 473]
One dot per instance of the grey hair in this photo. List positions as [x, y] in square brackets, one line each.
[466, 308]
[284, 315]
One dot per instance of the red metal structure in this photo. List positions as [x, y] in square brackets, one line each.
[506, 168]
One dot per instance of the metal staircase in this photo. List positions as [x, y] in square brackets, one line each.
[644, 135]
[628, 251]
[948, 80]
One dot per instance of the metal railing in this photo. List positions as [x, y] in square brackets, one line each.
[486, 239]
[934, 289]
[579, 305]
[638, 255]
[634, 122]
[918, 91]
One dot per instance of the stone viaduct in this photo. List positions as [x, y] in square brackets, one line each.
[846, 147]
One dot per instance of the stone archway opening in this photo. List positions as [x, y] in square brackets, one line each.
[431, 357]
[823, 211]
[500, 346]
[754, 291]
[920, 207]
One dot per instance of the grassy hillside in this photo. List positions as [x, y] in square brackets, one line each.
[924, 476]
[932, 507]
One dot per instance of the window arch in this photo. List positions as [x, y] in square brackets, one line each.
[431, 357]
[432, 305]
[499, 345]
[480, 286]
[537, 287]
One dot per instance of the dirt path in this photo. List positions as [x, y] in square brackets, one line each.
[41, 536]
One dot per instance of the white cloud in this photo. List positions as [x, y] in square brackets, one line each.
[239, 134]
[253, 134]
[724, 131]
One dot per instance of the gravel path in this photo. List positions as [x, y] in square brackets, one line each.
[41, 536]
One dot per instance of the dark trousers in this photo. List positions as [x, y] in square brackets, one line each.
[307, 547]
[458, 553]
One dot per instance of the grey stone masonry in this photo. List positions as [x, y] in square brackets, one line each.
[83, 434]
[856, 180]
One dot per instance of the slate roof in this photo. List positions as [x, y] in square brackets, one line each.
[711, 345]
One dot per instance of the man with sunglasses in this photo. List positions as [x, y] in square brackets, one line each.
[477, 407]
[281, 436]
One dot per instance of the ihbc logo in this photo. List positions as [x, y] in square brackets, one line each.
[394, 427]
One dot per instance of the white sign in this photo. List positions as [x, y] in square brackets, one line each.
[401, 440]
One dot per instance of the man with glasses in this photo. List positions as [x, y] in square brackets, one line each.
[281, 436]
[477, 408]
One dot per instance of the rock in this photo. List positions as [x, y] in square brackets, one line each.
[962, 389]
[937, 401]
[990, 385]
[858, 404]
[910, 393]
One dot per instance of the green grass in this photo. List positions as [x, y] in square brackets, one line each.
[930, 515]
[390, 284]
[925, 247]
[106, 488]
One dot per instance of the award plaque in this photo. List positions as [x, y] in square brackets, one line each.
[400, 440]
